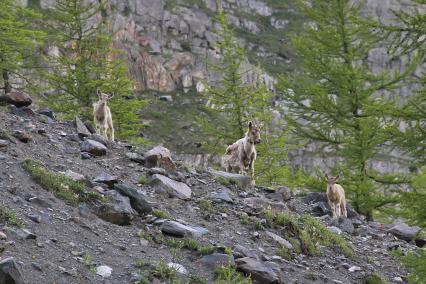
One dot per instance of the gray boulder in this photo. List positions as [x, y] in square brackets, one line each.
[93, 147]
[221, 196]
[259, 272]
[344, 224]
[171, 187]
[216, 260]
[16, 98]
[9, 272]
[177, 229]
[160, 157]
[99, 138]
[117, 210]
[137, 199]
[82, 130]
[281, 194]
[404, 232]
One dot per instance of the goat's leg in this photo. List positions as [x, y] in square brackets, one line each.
[333, 209]
[241, 165]
[112, 134]
[343, 206]
[252, 172]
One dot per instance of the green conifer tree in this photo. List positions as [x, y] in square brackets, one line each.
[89, 62]
[337, 101]
[233, 102]
[19, 38]
[408, 37]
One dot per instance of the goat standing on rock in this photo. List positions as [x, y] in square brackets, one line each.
[242, 154]
[336, 197]
[102, 116]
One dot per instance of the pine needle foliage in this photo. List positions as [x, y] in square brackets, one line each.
[238, 97]
[19, 39]
[337, 101]
[87, 62]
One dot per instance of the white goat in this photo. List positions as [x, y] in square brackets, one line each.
[336, 197]
[102, 116]
[242, 154]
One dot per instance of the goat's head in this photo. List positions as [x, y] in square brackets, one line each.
[103, 98]
[331, 180]
[253, 132]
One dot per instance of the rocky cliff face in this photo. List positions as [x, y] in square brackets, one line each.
[167, 42]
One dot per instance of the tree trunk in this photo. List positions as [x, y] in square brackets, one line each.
[7, 85]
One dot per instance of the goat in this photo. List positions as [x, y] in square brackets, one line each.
[242, 154]
[102, 116]
[336, 196]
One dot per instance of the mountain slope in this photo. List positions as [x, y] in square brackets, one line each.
[71, 243]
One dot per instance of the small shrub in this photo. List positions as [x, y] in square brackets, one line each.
[161, 214]
[8, 217]
[164, 272]
[204, 250]
[374, 279]
[206, 205]
[258, 224]
[60, 185]
[284, 253]
[225, 181]
[197, 279]
[143, 180]
[229, 275]
[245, 219]
[305, 232]
[415, 262]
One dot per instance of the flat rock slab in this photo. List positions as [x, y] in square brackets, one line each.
[221, 196]
[177, 229]
[280, 240]
[259, 272]
[216, 260]
[404, 232]
[242, 181]
[107, 179]
[93, 147]
[9, 272]
[171, 187]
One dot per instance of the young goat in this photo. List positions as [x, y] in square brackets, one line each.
[336, 197]
[102, 116]
[242, 154]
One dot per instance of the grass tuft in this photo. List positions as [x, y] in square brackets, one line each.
[8, 217]
[228, 274]
[161, 214]
[60, 185]
[305, 233]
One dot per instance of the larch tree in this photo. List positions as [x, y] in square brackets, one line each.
[234, 100]
[408, 36]
[19, 39]
[337, 101]
[87, 62]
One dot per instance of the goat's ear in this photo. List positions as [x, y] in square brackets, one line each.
[326, 175]
[250, 124]
[98, 93]
[337, 177]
